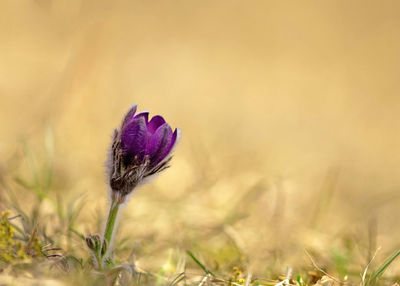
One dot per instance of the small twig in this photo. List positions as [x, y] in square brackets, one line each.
[248, 279]
[204, 280]
[321, 270]
[284, 282]
[14, 217]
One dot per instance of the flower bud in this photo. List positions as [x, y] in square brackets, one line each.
[90, 242]
[140, 149]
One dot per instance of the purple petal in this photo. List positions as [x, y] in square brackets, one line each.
[129, 115]
[134, 137]
[175, 139]
[159, 144]
[144, 114]
[154, 123]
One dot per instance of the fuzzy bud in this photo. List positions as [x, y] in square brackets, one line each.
[140, 149]
[90, 242]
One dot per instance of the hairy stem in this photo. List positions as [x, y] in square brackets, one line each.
[109, 231]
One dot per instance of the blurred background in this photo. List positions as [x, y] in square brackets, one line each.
[289, 114]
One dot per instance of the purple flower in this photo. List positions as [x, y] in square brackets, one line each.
[140, 149]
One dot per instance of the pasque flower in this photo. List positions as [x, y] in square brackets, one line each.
[141, 148]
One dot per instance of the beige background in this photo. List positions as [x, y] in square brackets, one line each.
[298, 98]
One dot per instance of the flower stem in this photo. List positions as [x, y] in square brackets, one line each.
[109, 231]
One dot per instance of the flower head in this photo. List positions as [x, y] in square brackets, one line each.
[140, 149]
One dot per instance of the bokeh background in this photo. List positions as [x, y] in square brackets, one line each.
[289, 112]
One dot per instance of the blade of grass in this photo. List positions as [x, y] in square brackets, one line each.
[49, 147]
[364, 275]
[177, 279]
[32, 187]
[199, 263]
[379, 272]
[17, 228]
[31, 162]
[80, 235]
